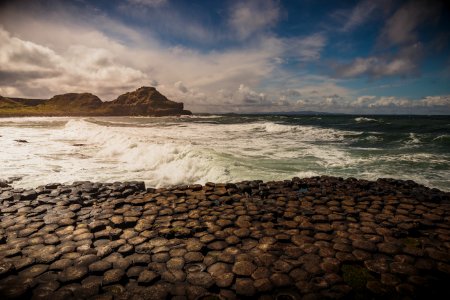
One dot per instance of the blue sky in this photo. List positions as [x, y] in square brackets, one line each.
[234, 56]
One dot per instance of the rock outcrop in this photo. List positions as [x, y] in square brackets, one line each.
[145, 101]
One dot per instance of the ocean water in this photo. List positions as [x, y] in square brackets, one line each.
[197, 149]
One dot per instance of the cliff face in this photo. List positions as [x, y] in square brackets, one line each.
[145, 101]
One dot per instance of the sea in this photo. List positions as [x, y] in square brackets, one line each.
[168, 151]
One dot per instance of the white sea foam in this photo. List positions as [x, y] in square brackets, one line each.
[169, 151]
[413, 139]
[364, 119]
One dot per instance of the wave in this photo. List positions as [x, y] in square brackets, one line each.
[306, 133]
[364, 119]
[442, 139]
[136, 152]
[165, 152]
[412, 139]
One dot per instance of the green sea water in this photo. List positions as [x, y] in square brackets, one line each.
[223, 148]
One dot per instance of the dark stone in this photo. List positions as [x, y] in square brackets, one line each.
[200, 278]
[243, 268]
[75, 273]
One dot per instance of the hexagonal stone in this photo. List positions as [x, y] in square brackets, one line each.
[173, 276]
[113, 276]
[243, 268]
[157, 242]
[403, 268]
[74, 273]
[92, 281]
[147, 277]
[135, 271]
[219, 268]
[280, 279]
[138, 259]
[193, 257]
[242, 232]
[86, 260]
[217, 245]
[97, 225]
[224, 280]
[61, 264]
[34, 270]
[14, 291]
[364, 245]
[176, 263]
[377, 266]
[388, 248]
[245, 287]
[263, 285]
[6, 268]
[23, 262]
[100, 266]
[104, 250]
[282, 266]
[200, 278]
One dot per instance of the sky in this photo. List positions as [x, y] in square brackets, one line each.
[363, 57]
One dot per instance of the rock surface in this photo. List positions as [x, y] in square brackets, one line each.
[145, 101]
[312, 238]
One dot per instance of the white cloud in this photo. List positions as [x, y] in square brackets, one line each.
[180, 86]
[360, 14]
[306, 48]
[42, 55]
[401, 27]
[405, 62]
[35, 67]
[149, 3]
[253, 16]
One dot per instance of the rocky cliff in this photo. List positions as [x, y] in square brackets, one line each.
[145, 101]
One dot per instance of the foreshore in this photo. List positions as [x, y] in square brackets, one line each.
[311, 238]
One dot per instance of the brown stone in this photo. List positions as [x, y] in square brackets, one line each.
[147, 277]
[244, 268]
[245, 287]
[113, 276]
[200, 278]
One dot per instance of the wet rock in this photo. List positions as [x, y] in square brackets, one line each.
[280, 280]
[113, 276]
[202, 279]
[245, 287]
[243, 268]
[73, 273]
[147, 277]
[100, 266]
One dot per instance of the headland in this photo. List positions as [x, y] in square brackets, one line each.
[145, 101]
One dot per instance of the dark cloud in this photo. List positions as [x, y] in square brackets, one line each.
[404, 63]
[14, 77]
[402, 27]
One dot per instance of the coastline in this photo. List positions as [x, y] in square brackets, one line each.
[310, 238]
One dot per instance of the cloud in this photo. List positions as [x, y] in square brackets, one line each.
[93, 58]
[181, 87]
[307, 48]
[35, 67]
[149, 3]
[403, 63]
[75, 50]
[401, 27]
[348, 20]
[250, 17]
